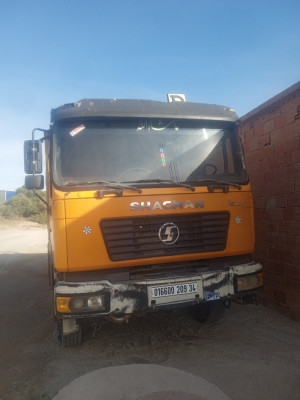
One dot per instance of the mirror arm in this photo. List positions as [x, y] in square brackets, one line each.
[40, 197]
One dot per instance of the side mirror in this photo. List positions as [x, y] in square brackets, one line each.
[33, 157]
[34, 182]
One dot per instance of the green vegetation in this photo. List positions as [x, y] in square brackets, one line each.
[25, 205]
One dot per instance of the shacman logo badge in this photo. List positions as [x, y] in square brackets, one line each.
[168, 233]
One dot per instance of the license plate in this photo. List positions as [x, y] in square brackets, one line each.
[179, 289]
[212, 296]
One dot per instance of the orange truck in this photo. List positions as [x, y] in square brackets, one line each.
[149, 208]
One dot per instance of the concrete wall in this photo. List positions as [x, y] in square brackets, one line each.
[271, 139]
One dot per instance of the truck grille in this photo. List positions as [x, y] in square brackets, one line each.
[133, 238]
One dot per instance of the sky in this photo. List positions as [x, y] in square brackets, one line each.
[234, 53]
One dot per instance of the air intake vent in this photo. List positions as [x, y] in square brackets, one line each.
[142, 237]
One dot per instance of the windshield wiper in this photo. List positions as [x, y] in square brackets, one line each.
[105, 184]
[213, 184]
[167, 181]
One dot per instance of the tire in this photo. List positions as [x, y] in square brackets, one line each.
[71, 339]
[208, 312]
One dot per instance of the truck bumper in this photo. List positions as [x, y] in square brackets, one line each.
[105, 298]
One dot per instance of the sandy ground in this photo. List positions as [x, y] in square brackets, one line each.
[252, 353]
[22, 237]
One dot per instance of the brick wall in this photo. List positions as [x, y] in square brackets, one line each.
[271, 139]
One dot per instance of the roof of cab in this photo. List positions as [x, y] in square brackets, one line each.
[94, 108]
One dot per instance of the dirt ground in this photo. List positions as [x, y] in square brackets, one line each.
[252, 353]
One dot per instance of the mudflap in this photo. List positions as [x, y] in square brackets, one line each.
[69, 332]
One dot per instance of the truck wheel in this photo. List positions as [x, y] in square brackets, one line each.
[212, 312]
[69, 339]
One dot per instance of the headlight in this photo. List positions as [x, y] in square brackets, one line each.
[249, 282]
[80, 304]
[63, 304]
[77, 303]
[95, 303]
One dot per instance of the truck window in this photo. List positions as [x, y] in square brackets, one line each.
[129, 150]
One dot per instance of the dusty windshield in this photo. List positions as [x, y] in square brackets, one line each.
[145, 151]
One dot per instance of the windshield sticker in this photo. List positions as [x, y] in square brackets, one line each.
[77, 130]
[160, 126]
[162, 157]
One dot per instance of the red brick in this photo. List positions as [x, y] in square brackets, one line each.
[269, 126]
[275, 214]
[288, 186]
[273, 280]
[280, 148]
[275, 112]
[291, 115]
[261, 214]
[280, 268]
[269, 175]
[293, 171]
[297, 216]
[296, 284]
[287, 158]
[277, 201]
[275, 187]
[250, 158]
[275, 174]
[260, 227]
[264, 140]
[293, 199]
[250, 135]
[260, 256]
[280, 296]
[291, 228]
[288, 132]
[296, 156]
[293, 143]
[285, 227]
[263, 165]
[293, 271]
[277, 136]
[259, 202]
[253, 144]
[289, 256]
[274, 162]
[293, 243]
[246, 148]
[289, 214]
[259, 131]
[280, 121]
[273, 253]
[278, 240]
[296, 127]
[287, 286]
[259, 187]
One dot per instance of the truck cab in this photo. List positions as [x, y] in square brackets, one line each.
[150, 207]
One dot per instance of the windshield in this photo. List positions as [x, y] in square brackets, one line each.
[146, 152]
